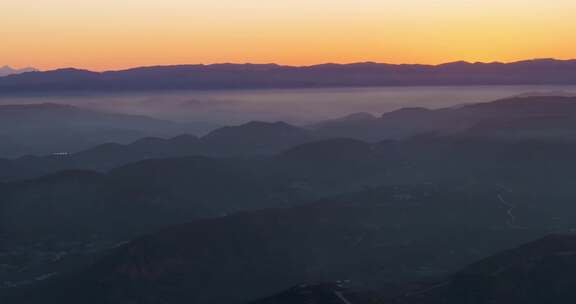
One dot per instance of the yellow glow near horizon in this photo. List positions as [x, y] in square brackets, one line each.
[115, 34]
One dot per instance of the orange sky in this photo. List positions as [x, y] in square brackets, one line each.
[115, 34]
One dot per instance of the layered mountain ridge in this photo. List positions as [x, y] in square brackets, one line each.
[242, 76]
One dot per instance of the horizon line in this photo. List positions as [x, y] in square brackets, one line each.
[288, 65]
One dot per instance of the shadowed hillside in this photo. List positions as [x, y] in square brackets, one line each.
[53, 128]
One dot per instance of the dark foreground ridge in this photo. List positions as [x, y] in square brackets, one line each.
[537, 272]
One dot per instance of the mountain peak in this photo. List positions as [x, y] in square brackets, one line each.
[7, 70]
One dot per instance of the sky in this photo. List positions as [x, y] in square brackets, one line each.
[117, 34]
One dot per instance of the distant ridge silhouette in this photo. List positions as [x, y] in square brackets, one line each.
[255, 76]
[549, 120]
[7, 70]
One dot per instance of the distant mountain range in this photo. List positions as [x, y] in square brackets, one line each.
[6, 70]
[244, 76]
[512, 120]
[516, 118]
[52, 128]
[246, 140]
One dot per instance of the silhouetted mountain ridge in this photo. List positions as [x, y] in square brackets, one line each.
[465, 120]
[247, 140]
[238, 76]
[542, 119]
[7, 70]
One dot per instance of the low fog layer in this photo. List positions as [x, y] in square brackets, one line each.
[303, 106]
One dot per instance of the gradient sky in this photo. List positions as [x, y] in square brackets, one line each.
[115, 34]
